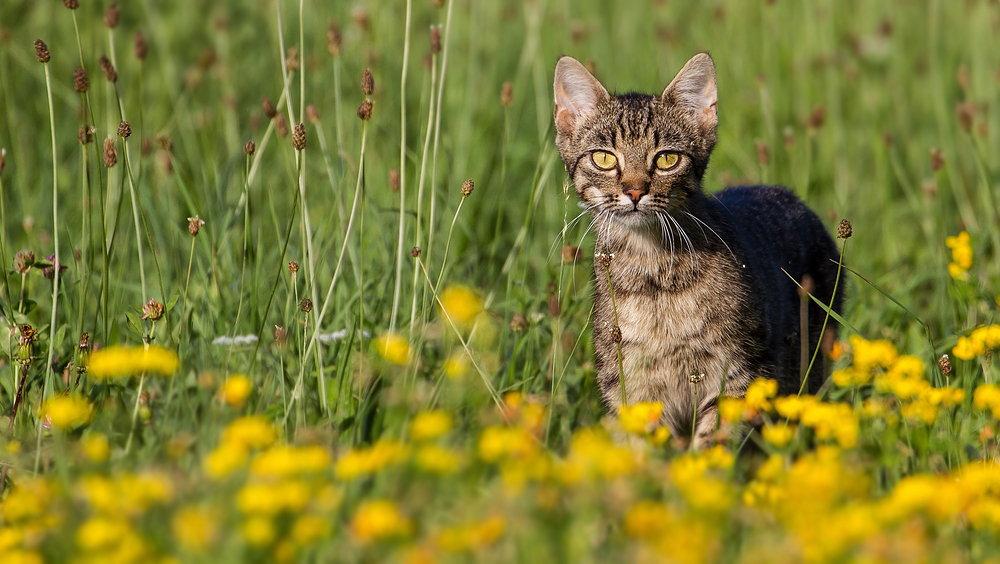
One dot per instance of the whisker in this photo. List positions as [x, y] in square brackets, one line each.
[713, 232]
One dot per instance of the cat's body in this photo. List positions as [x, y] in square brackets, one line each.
[702, 303]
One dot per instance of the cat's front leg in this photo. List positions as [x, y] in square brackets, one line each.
[705, 427]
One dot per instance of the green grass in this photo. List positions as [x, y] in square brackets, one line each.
[849, 100]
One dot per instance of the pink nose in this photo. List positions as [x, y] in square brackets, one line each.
[636, 193]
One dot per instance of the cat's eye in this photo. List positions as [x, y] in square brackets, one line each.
[667, 161]
[604, 160]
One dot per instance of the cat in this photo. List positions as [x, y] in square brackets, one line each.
[700, 305]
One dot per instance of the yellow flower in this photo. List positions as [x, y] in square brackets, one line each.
[22, 557]
[460, 304]
[394, 348]
[779, 434]
[120, 361]
[957, 272]
[101, 532]
[95, 447]
[67, 412]
[195, 528]
[225, 459]
[463, 538]
[731, 409]
[377, 520]
[792, 407]
[640, 418]
[308, 529]
[359, 462]
[236, 390]
[497, 442]
[258, 531]
[647, 520]
[429, 425]
[437, 460]
[457, 365]
[252, 431]
[758, 393]
[869, 355]
[285, 461]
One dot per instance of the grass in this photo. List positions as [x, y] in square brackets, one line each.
[882, 113]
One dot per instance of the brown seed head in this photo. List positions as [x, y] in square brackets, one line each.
[394, 180]
[966, 113]
[71, 4]
[110, 153]
[333, 39]
[360, 16]
[306, 305]
[194, 225]
[439, 3]
[28, 334]
[85, 135]
[616, 334]
[269, 110]
[109, 70]
[80, 81]
[312, 114]
[365, 110]
[153, 310]
[887, 139]
[435, 39]
[945, 363]
[763, 153]
[554, 307]
[141, 47]
[808, 287]
[506, 95]
[23, 261]
[937, 159]
[112, 15]
[467, 187]
[280, 335]
[281, 125]
[962, 76]
[3, 160]
[292, 61]
[84, 342]
[124, 129]
[844, 230]
[165, 143]
[299, 137]
[42, 51]
[571, 253]
[518, 322]
[250, 147]
[293, 266]
[367, 82]
[817, 117]
[415, 252]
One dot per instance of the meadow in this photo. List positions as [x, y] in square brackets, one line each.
[305, 282]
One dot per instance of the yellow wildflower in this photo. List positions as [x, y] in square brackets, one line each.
[460, 304]
[120, 361]
[498, 442]
[359, 462]
[987, 396]
[640, 418]
[647, 520]
[792, 407]
[850, 377]
[759, 392]
[236, 390]
[463, 538]
[394, 348]
[731, 409]
[101, 532]
[67, 412]
[195, 528]
[457, 365]
[869, 355]
[252, 431]
[437, 460]
[225, 459]
[283, 461]
[429, 425]
[95, 447]
[308, 529]
[27, 500]
[379, 519]
[258, 531]
[22, 557]
[778, 435]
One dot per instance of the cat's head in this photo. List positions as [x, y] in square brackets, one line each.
[635, 155]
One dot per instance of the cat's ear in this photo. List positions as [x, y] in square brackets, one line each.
[577, 94]
[694, 90]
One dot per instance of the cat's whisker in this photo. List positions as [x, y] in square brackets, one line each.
[713, 232]
[687, 240]
[559, 236]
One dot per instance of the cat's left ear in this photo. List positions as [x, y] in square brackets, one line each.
[577, 94]
[694, 90]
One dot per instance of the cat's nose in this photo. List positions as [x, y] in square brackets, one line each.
[635, 191]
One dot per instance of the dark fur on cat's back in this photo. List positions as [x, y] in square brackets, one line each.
[698, 283]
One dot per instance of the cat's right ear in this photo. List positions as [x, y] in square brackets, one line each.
[577, 94]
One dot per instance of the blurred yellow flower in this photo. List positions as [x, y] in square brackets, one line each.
[869, 355]
[379, 519]
[640, 418]
[778, 435]
[981, 340]
[498, 441]
[284, 461]
[236, 390]
[101, 532]
[429, 425]
[195, 528]
[470, 537]
[67, 412]
[22, 557]
[308, 529]
[225, 459]
[457, 365]
[759, 392]
[95, 447]
[394, 348]
[258, 531]
[437, 460]
[121, 361]
[460, 304]
[362, 461]
[252, 431]
[648, 519]
[731, 409]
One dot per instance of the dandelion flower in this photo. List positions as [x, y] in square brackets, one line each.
[121, 361]
[394, 348]
[95, 447]
[429, 425]
[461, 304]
[236, 390]
[378, 520]
[68, 412]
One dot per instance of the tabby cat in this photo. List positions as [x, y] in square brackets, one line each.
[703, 306]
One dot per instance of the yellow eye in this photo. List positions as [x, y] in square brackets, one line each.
[604, 160]
[667, 161]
